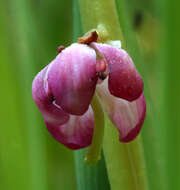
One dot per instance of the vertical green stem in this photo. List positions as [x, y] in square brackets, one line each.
[89, 177]
[99, 12]
[125, 162]
[94, 151]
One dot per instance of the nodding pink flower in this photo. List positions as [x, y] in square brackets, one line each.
[63, 91]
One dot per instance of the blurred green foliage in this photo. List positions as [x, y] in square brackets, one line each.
[30, 32]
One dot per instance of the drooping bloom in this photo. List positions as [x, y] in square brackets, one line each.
[63, 91]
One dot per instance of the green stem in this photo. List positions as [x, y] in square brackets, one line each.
[96, 13]
[125, 162]
[88, 177]
[94, 151]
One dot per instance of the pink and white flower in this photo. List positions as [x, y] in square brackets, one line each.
[63, 91]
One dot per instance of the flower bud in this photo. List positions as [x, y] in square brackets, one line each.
[72, 78]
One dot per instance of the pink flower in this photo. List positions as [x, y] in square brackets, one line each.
[63, 91]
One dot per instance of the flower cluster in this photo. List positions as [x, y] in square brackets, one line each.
[63, 91]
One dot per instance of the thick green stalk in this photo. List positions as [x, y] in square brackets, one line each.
[125, 162]
[89, 177]
[100, 13]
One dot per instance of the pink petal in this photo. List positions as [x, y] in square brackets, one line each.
[124, 80]
[72, 78]
[128, 117]
[76, 133]
[51, 112]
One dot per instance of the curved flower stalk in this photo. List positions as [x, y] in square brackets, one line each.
[63, 91]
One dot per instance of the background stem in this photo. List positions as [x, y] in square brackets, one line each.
[168, 100]
[27, 69]
[153, 149]
[90, 176]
